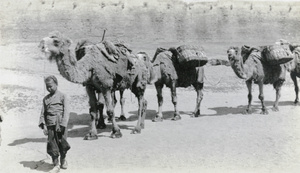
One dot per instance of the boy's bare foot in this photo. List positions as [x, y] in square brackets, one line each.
[63, 164]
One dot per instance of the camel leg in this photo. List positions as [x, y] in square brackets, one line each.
[174, 101]
[113, 96]
[114, 102]
[116, 132]
[145, 103]
[249, 86]
[100, 106]
[261, 98]
[294, 78]
[198, 87]
[277, 85]
[159, 115]
[93, 112]
[122, 102]
[141, 114]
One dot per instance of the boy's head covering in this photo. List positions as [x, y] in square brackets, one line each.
[51, 77]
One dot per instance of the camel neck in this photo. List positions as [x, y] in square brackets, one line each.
[70, 69]
[239, 69]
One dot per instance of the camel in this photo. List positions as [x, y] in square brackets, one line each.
[99, 74]
[295, 72]
[80, 52]
[253, 69]
[294, 68]
[167, 72]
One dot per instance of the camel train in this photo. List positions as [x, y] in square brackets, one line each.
[105, 68]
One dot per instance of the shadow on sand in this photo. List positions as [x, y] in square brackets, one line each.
[256, 108]
[150, 114]
[284, 103]
[27, 140]
[85, 120]
[37, 165]
[73, 132]
[231, 110]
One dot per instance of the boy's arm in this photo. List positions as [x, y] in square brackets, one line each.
[42, 117]
[65, 118]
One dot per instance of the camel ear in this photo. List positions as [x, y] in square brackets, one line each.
[65, 45]
[237, 50]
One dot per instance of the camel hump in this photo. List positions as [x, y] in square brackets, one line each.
[247, 50]
[80, 48]
[294, 46]
[162, 55]
[158, 51]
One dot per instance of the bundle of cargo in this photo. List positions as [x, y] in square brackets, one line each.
[276, 54]
[191, 56]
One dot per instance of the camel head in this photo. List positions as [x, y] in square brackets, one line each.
[233, 54]
[150, 74]
[236, 62]
[54, 45]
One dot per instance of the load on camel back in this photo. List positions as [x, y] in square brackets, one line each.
[189, 56]
[109, 49]
[271, 55]
[118, 52]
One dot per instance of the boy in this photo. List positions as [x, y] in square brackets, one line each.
[55, 116]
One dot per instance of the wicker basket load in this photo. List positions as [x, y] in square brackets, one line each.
[276, 54]
[191, 56]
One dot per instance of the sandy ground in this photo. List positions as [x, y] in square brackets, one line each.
[221, 140]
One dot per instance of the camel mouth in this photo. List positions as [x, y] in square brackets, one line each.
[45, 50]
[42, 46]
[230, 56]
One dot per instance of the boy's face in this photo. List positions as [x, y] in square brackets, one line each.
[51, 86]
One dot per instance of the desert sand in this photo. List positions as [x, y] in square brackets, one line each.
[221, 140]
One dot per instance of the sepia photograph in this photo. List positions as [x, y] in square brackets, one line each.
[149, 86]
